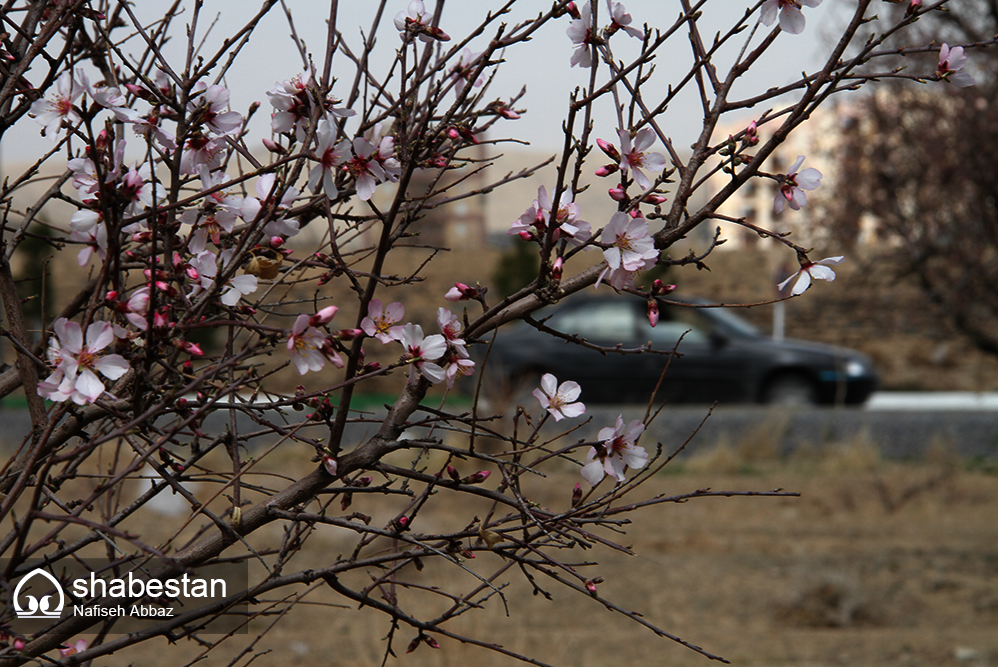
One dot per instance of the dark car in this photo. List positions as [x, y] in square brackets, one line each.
[721, 357]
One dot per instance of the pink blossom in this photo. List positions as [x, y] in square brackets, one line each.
[266, 202]
[79, 646]
[200, 150]
[85, 220]
[415, 21]
[238, 287]
[95, 240]
[792, 188]
[458, 365]
[330, 156]
[381, 322]
[293, 101]
[558, 400]
[582, 34]
[109, 97]
[450, 327]
[305, 345]
[84, 176]
[136, 189]
[631, 249]
[209, 105]
[365, 165]
[791, 17]
[621, 20]
[136, 308]
[218, 213]
[75, 376]
[462, 71]
[423, 351]
[542, 214]
[634, 158]
[291, 106]
[50, 113]
[951, 61]
[618, 451]
[149, 126]
[808, 270]
[631, 244]
[205, 264]
[566, 218]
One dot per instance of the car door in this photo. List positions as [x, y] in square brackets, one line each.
[609, 377]
[711, 365]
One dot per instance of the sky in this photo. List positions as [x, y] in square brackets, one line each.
[541, 65]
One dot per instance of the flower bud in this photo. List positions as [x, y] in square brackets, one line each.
[606, 170]
[452, 473]
[617, 193]
[610, 150]
[652, 312]
[576, 494]
[331, 355]
[460, 292]
[330, 464]
[658, 287]
[436, 33]
[573, 11]
[349, 334]
[476, 478]
[274, 147]
[557, 268]
[324, 316]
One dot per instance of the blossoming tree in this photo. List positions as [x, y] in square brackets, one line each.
[200, 291]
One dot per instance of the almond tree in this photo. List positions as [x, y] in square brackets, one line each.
[200, 296]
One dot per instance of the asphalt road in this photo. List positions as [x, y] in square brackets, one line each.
[904, 426]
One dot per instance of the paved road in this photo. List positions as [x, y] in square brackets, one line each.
[904, 426]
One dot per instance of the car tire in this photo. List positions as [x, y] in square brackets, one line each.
[790, 389]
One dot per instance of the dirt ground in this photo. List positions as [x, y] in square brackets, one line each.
[876, 564]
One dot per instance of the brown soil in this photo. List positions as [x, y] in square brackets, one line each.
[876, 564]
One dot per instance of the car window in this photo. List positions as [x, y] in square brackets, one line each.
[673, 322]
[611, 321]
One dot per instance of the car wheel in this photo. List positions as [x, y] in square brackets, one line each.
[790, 389]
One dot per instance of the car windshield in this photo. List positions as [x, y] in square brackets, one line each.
[619, 321]
[735, 323]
